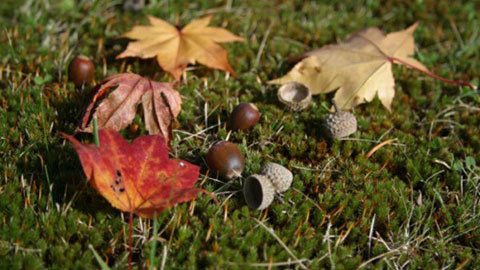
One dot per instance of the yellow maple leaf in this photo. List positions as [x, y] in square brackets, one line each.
[359, 68]
[176, 48]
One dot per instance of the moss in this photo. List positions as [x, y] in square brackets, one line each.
[418, 195]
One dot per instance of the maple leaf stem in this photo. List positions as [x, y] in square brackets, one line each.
[130, 241]
[433, 75]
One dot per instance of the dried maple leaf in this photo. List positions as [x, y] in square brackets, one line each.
[176, 48]
[359, 68]
[161, 104]
[138, 178]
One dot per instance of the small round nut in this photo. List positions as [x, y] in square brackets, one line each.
[280, 176]
[244, 116]
[225, 158]
[340, 124]
[258, 191]
[81, 71]
[295, 95]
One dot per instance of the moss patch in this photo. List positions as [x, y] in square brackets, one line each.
[413, 203]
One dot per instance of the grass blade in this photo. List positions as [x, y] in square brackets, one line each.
[99, 259]
[153, 249]
[95, 131]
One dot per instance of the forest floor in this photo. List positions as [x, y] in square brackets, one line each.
[412, 204]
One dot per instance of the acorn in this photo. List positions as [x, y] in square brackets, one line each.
[258, 191]
[226, 159]
[81, 71]
[295, 95]
[339, 124]
[133, 5]
[280, 176]
[244, 116]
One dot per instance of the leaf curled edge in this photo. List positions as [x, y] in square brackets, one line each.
[116, 110]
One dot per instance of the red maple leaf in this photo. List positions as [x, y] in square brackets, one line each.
[138, 178]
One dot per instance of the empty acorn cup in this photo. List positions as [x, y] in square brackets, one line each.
[339, 124]
[258, 191]
[295, 95]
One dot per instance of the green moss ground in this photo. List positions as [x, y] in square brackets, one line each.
[413, 204]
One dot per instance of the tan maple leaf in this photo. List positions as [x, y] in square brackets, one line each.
[359, 68]
[176, 48]
[161, 104]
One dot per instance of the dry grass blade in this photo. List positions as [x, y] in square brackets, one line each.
[269, 230]
[393, 251]
[262, 45]
[378, 146]
[277, 264]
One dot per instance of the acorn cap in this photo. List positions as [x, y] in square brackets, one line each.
[280, 176]
[295, 95]
[258, 191]
[133, 5]
[340, 124]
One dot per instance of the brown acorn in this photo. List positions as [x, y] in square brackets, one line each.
[226, 159]
[81, 71]
[244, 116]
